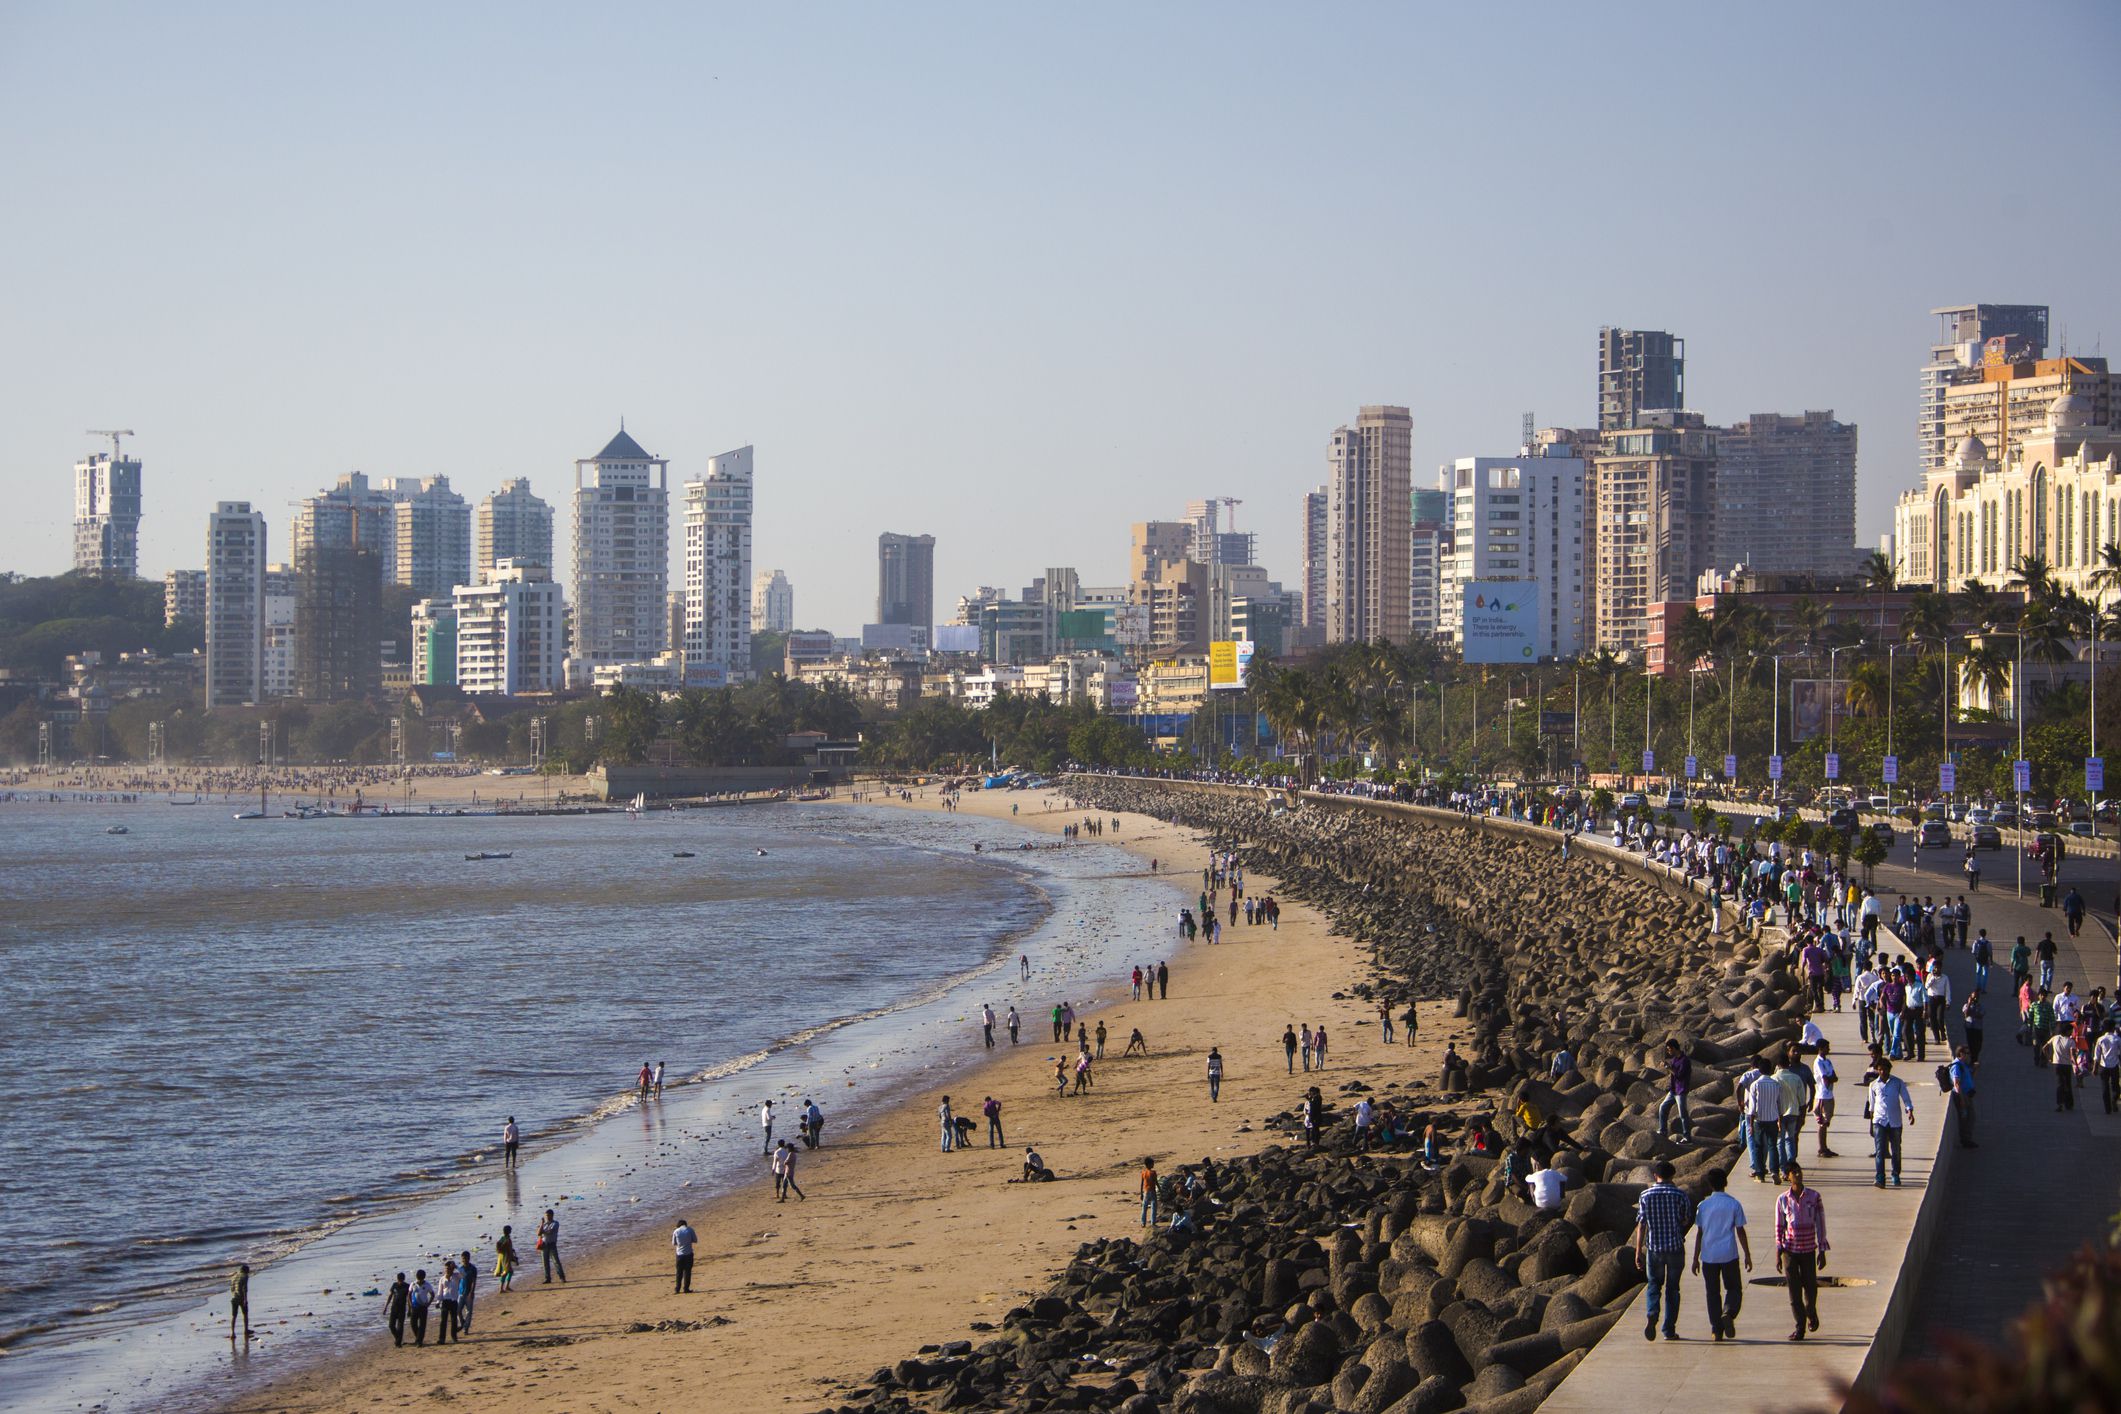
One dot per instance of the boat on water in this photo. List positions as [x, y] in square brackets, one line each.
[250, 815]
[117, 830]
[636, 805]
[681, 854]
[489, 854]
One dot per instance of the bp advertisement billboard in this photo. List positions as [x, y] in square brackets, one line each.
[1501, 621]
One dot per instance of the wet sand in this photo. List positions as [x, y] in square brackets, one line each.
[900, 1245]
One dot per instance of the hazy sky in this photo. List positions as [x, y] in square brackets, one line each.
[1011, 275]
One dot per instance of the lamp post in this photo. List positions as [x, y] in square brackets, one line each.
[1890, 650]
[1831, 654]
[1775, 786]
[1576, 727]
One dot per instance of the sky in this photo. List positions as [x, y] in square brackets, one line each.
[1013, 276]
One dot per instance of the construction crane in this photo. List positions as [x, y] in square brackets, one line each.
[117, 452]
[1233, 502]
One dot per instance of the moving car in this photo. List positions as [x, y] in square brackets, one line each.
[1980, 815]
[1987, 837]
[1883, 831]
[1935, 834]
[1879, 802]
[1633, 800]
[1842, 817]
[1675, 800]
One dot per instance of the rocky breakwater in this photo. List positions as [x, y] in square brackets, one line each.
[1341, 1279]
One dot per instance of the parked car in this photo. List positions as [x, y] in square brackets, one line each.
[1987, 837]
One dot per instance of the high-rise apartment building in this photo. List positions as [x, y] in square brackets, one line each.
[718, 566]
[107, 515]
[1639, 371]
[1653, 518]
[905, 579]
[1520, 518]
[621, 554]
[1213, 545]
[1425, 562]
[1786, 495]
[432, 537]
[1314, 543]
[434, 643]
[1370, 528]
[1967, 335]
[514, 523]
[235, 605]
[772, 603]
[184, 596]
[280, 595]
[511, 635]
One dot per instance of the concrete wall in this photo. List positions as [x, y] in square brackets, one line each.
[625, 782]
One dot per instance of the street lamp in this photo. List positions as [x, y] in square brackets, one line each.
[1831, 654]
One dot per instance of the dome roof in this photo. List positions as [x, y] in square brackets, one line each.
[1972, 452]
[2070, 410]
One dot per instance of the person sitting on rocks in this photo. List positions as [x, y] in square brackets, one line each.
[1431, 1146]
[1035, 1170]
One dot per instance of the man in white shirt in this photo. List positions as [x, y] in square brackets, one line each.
[2062, 1055]
[1939, 990]
[1719, 1241]
[2067, 1005]
[2106, 1059]
[1545, 1185]
[766, 1126]
[1763, 1116]
[1823, 1078]
[1866, 986]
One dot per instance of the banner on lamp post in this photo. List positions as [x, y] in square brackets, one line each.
[1774, 768]
[2021, 776]
[1892, 770]
[1947, 777]
[2094, 774]
[1730, 768]
[1693, 767]
[1833, 767]
[1649, 762]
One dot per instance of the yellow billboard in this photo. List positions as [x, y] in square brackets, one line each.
[1229, 662]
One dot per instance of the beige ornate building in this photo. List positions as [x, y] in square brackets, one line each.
[2055, 494]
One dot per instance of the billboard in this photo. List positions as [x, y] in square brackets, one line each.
[957, 638]
[1121, 694]
[1808, 701]
[1130, 625]
[708, 677]
[1229, 664]
[1501, 621]
[1556, 723]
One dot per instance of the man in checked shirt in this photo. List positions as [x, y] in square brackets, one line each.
[1662, 1215]
[1800, 1249]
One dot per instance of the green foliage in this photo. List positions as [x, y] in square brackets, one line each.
[1601, 803]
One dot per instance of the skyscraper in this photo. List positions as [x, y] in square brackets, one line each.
[621, 554]
[1639, 371]
[718, 566]
[1964, 344]
[184, 596]
[235, 605]
[1369, 528]
[432, 535]
[510, 631]
[1654, 517]
[1314, 543]
[1431, 542]
[339, 624]
[1520, 518]
[1786, 495]
[772, 603]
[107, 514]
[512, 524]
[905, 580]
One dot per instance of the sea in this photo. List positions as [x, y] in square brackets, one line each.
[295, 1042]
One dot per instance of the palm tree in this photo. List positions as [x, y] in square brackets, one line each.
[1808, 622]
[1978, 605]
[2034, 577]
[1879, 576]
[1868, 688]
[1608, 666]
[1987, 667]
[2045, 637]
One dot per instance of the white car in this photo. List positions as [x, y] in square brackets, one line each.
[1879, 802]
[1980, 815]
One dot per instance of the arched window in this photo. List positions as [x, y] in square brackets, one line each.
[2037, 544]
[1940, 567]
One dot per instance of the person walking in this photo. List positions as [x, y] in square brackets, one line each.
[813, 1125]
[1679, 1067]
[1100, 1040]
[2062, 1055]
[1318, 1046]
[394, 1303]
[1148, 1190]
[1288, 1044]
[992, 1109]
[468, 1280]
[239, 1300]
[1973, 1012]
[1763, 1117]
[1384, 1022]
[1215, 1075]
[1719, 1242]
[765, 1127]
[1163, 981]
[2106, 1059]
[949, 1122]
[659, 1080]
[1823, 1077]
[1800, 1250]
[510, 1138]
[549, 1246]
[1015, 1024]
[504, 1257]
[1962, 1074]
[1891, 1109]
[789, 1155]
[986, 1023]
[1662, 1215]
[418, 1303]
[452, 1294]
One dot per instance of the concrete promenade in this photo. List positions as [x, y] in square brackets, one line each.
[1869, 1293]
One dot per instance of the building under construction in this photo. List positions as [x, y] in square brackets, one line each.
[339, 624]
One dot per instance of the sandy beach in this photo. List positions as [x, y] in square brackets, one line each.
[899, 1245]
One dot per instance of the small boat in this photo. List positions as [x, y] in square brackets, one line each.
[117, 830]
[250, 815]
[490, 854]
[681, 854]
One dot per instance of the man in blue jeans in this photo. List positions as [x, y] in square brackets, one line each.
[1892, 1109]
[1681, 1069]
[1662, 1215]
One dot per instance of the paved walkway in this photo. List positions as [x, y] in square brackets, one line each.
[2042, 1183]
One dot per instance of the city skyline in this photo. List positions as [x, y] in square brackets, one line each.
[1817, 304]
